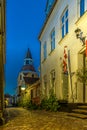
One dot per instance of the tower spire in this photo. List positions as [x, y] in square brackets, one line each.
[28, 54]
[28, 58]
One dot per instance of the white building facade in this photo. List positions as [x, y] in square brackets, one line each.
[57, 38]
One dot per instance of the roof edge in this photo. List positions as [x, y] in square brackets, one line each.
[47, 19]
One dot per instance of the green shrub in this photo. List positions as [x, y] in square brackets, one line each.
[31, 106]
[82, 75]
[50, 103]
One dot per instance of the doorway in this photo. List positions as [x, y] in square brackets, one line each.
[82, 67]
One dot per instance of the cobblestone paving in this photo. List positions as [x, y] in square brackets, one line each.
[22, 119]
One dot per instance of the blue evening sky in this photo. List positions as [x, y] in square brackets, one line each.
[24, 20]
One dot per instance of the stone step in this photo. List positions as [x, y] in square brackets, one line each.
[82, 107]
[77, 115]
[81, 111]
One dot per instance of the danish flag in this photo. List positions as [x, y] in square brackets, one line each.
[65, 60]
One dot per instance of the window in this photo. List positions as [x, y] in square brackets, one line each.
[30, 62]
[27, 62]
[53, 40]
[82, 7]
[32, 75]
[64, 23]
[45, 50]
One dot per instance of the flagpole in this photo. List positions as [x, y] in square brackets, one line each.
[70, 76]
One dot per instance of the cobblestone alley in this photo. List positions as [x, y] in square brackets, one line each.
[22, 119]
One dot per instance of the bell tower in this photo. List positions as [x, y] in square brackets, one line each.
[28, 59]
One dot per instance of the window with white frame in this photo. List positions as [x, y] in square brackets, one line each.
[64, 22]
[45, 50]
[53, 40]
[82, 7]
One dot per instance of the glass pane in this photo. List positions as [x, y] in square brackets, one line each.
[62, 31]
[66, 14]
[63, 19]
[51, 45]
[54, 44]
[66, 26]
[27, 62]
[53, 33]
[82, 7]
[52, 40]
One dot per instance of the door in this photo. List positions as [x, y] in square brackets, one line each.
[65, 87]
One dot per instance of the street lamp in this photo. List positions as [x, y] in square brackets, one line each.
[22, 88]
[79, 34]
[22, 95]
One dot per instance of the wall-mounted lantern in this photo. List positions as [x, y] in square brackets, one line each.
[79, 34]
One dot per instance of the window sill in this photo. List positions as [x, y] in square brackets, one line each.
[44, 60]
[62, 39]
[51, 52]
[82, 18]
